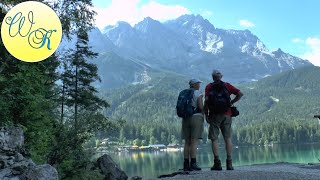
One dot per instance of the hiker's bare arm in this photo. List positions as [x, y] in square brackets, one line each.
[237, 98]
[205, 107]
[200, 103]
[206, 110]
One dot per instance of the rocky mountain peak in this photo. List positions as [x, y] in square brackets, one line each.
[148, 24]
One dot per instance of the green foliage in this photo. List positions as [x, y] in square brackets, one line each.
[290, 95]
[145, 108]
[81, 109]
[153, 140]
[59, 121]
[26, 98]
[75, 165]
[80, 106]
[278, 132]
[280, 108]
[137, 142]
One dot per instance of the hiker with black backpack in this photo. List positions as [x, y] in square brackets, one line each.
[190, 109]
[218, 114]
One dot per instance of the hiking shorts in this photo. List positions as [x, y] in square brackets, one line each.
[192, 127]
[217, 123]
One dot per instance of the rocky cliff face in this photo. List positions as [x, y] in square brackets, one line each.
[13, 165]
[189, 45]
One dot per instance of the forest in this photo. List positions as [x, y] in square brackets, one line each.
[54, 100]
[276, 109]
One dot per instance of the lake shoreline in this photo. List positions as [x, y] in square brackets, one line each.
[150, 165]
[201, 146]
[272, 171]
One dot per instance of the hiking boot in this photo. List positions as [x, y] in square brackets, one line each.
[216, 166]
[186, 166]
[195, 167]
[229, 164]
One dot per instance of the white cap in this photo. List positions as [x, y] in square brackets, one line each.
[194, 81]
[216, 72]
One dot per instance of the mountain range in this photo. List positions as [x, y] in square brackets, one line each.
[189, 45]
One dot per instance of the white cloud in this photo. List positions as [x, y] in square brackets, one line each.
[246, 23]
[119, 10]
[313, 55]
[131, 12]
[297, 40]
[206, 13]
[313, 42]
[163, 12]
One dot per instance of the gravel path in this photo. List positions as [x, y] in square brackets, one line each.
[285, 171]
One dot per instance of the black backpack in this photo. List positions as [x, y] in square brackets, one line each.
[184, 104]
[219, 100]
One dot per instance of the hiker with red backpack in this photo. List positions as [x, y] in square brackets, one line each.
[218, 114]
[190, 109]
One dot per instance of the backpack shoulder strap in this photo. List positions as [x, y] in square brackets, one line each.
[224, 86]
[191, 92]
[212, 86]
[226, 91]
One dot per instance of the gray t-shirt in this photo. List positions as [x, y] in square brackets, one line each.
[196, 95]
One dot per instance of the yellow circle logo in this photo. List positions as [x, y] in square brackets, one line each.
[31, 31]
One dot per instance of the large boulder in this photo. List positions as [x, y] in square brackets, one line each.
[110, 169]
[13, 165]
[41, 172]
[11, 139]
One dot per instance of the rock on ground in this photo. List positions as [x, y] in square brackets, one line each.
[110, 169]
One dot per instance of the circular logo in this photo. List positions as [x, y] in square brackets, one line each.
[31, 31]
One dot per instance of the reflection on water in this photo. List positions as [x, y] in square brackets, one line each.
[153, 164]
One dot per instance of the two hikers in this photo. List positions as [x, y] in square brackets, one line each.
[217, 112]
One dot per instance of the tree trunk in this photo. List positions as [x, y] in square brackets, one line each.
[76, 101]
[62, 103]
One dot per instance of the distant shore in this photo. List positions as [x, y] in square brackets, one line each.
[175, 147]
[270, 171]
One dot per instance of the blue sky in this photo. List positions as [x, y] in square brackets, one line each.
[291, 25]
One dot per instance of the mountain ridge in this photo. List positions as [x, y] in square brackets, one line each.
[189, 45]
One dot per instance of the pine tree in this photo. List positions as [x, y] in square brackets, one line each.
[80, 106]
[78, 78]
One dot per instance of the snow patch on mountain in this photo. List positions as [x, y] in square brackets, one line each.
[212, 43]
[274, 99]
[142, 78]
[245, 48]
